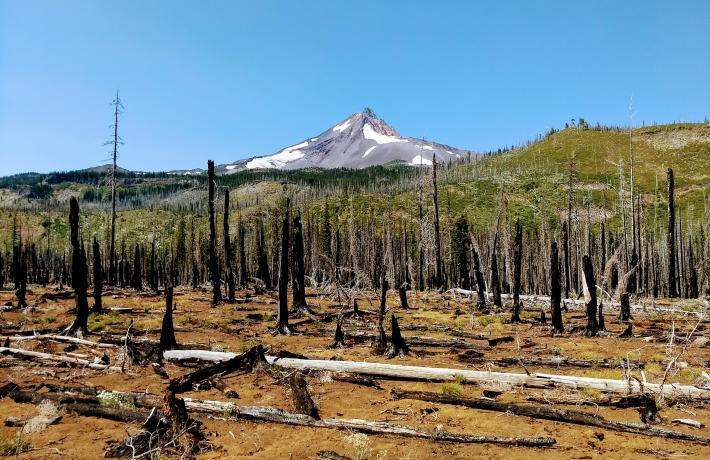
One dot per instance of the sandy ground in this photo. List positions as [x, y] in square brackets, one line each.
[229, 328]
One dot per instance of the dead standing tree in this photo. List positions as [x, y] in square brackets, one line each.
[98, 278]
[672, 282]
[517, 266]
[214, 266]
[590, 291]
[299, 270]
[282, 326]
[115, 142]
[78, 275]
[228, 250]
[437, 235]
[555, 290]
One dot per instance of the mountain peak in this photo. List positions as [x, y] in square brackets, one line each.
[369, 112]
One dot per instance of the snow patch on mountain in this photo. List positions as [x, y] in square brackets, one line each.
[343, 126]
[280, 159]
[367, 152]
[419, 161]
[373, 135]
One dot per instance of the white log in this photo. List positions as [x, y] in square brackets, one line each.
[57, 358]
[689, 422]
[381, 370]
[59, 338]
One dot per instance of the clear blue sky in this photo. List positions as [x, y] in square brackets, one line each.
[227, 80]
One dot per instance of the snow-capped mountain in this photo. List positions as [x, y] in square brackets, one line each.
[359, 141]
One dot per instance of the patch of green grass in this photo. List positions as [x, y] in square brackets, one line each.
[148, 323]
[590, 355]
[13, 446]
[208, 324]
[487, 320]
[689, 374]
[452, 389]
[590, 393]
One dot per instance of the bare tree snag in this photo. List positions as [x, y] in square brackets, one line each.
[282, 326]
[565, 247]
[625, 311]
[339, 337]
[672, 281]
[480, 283]
[437, 235]
[112, 278]
[590, 290]
[495, 280]
[79, 274]
[380, 344]
[398, 347]
[262, 260]
[229, 274]
[555, 290]
[167, 331]
[403, 296]
[299, 270]
[98, 278]
[547, 413]
[214, 264]
[301, 396]
[517, 267]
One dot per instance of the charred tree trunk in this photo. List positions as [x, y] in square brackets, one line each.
[243, 270]
[517, 267]
[495, 280]
[137, 281]
[672, 281]
[591, 288]
[262, 259]
[282, 326]
[228, 250]
[167, 331]
[21, 282]
[555, 290]
[437, 234]
[403, 296]
[381, 340]
[214, 265]
[480, 284]
[79, 273]
[625, 311]
[299, 268]
[98, 279]
[339, 337]
[398, 346]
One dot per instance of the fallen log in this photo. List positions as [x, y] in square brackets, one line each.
[35, 355]
[555, 361]
[20, 421]
[274, 415]
[546, 413]
[59, 338]
[401, 372]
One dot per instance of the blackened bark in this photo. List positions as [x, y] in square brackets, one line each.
[399, 346]
[228, 249]
[339, 337]
[214, 264]
[21, 283]
[167, 331]
[591, 284]
[555, 289]
[299, 275]
[98, 278]
[381, 341]
[282, 326]
[672, 281]
[79, 274]
[403, 296]
[565, 247]
[480, 284]
[137, 282]
[262, 261]
[439, 280]
[243, 270]
[625, 313]
[495, 280]
[517, 267]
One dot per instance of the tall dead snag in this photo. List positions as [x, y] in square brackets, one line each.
[517, 267]
[437, 235]
[480, 284]
[112, 278]
[21, 281]
[214, 265]
[565, 248]
[243, 271]
[167, 331]
[299, 269]
[78, 275]
[590, 291]
[460, 247]
[398, 346]
[380, 344]
[625, 311]
[672, 282]
[555, 290]
[228, 249]
[98, 278]
[282, 326]
[495, 278]
[137, 280]
[262, 259]
[301, 396]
